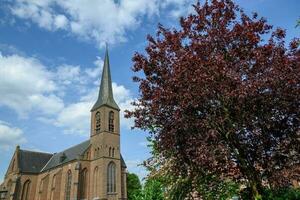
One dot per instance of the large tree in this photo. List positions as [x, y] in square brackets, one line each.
[220, 96]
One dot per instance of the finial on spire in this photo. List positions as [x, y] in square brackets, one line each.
[105, 96]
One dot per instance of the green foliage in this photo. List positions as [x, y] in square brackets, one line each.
[282, 194]
[209, 187]
[133, 186]
[212, 188]
[153, 190]
[275, 194]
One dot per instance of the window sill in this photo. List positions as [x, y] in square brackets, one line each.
[112, 193]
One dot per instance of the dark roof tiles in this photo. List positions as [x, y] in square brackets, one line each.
[105, 96]
[67, 155]
[32, 162]
[36, 162]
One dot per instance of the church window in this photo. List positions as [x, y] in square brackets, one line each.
[9, 184]
[53, 186]
[26, 190]
[68, 185]
[111, 178]
[98, 122]
[83, 184]
[113, 152]
[87, 155]
[109, 152]
[13, 165]
[41, 187]
[95, 181]
[111, 122]
[53, 181]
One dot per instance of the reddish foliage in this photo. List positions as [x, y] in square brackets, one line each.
[218, 97]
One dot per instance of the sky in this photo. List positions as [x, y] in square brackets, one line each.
[51, 59]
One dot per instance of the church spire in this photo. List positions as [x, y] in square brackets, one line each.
[105, 96]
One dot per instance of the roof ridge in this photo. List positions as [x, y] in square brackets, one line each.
[40, 152]
[72, 147]
[47, 162]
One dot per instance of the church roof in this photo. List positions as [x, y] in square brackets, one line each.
[36, 162]
[32, 162]
[67, 155]
[105, 96]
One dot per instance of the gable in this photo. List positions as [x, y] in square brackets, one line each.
[14, 164]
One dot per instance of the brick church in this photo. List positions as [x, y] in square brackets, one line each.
[91, 170]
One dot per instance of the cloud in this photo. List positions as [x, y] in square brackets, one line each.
[95, 72]
[75, 118]
[10, 136]
[67, 74]
[101, 21]
[26, 85]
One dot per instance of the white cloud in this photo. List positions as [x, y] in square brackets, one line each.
[67, 74]
[10, 136]
[75, 118]
[60, 22]
[26, 85]
[95, 72]
[50, 104]
[99, 20]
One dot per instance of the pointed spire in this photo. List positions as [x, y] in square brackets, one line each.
[105, 96]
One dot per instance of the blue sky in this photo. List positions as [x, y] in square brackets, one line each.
[51, 56]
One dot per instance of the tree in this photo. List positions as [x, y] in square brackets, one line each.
[134, 186]
[153, 190]
[219, 99]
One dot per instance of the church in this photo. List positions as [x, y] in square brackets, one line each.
[91, 170]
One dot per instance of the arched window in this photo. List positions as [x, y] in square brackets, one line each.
[41, 189]
[111, 126]
[111, 178]
[95, 182]
[83, 184]
[109, 152]
[98, 122]
[26, 190]
[9, 184]
[13, 165]
[113, 152]
[68, 185]
[53, 187]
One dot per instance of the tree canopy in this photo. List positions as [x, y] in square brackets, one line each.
[220, 96]
[133, 186]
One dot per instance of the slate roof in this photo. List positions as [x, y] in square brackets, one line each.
[36, 162]
[123, 164]
[32, 162]
[105, 96]
[69, 154]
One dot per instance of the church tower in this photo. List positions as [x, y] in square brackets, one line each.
[105, 140]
